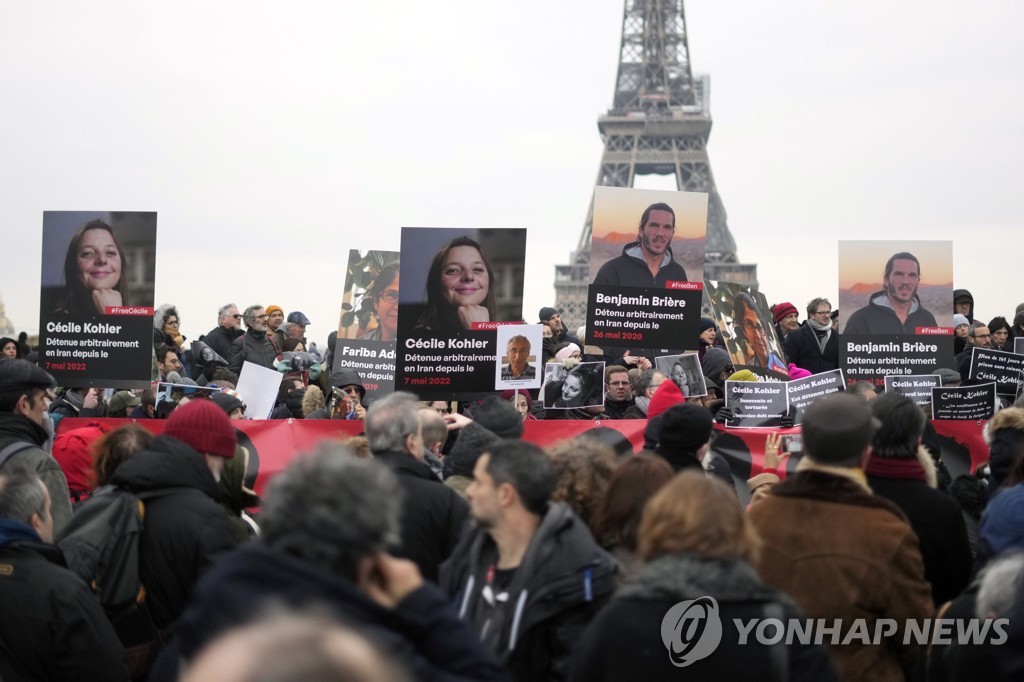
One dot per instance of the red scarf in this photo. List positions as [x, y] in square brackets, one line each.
[896, 468]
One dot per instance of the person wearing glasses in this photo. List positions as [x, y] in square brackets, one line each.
[384, 294]
[167, 332]
[618, 394]
[254, 346]
[896, 309]
[229, 328]
[814, 345]
[752, 331]
[518, 367]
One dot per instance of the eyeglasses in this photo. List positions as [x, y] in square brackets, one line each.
[822, 312]
[753, 326]
[236, 316]
[262, 317]
[389, 295]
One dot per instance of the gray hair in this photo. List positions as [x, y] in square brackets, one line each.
[1000, 585]
[332, 509]
[21, 496]
[646, 378]
[224, 311]
[975, 326]
[435, 429]
[249, 316]
[390, 420]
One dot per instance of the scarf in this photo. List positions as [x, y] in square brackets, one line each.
[896, 468]
[822, 331]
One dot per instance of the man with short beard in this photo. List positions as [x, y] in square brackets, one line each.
[896, 309]
[228, 328]
[648, 261]
[814, 345]
[254, 346]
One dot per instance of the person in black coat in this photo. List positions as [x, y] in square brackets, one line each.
[698, 545]
[52, 627]
[814, 345]
[898, 470]
[326, 523]
[229, 328]
[187, 530]
[434, 514]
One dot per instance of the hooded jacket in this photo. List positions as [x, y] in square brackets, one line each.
[52, 627]
[878, 317]
[630, 270]
[625, 641]
[561, 583]
[421, 632]
[185, 531]
[17, 428]
[960, 293]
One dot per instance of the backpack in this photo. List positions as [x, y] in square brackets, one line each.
[12, 449]
[101, 545]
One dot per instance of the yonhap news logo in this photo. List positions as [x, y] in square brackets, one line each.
[691, 630]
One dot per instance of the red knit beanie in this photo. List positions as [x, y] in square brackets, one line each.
[782, 310]
[667, 395]
[204, 427]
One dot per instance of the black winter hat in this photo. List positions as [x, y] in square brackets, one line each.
[499, 417]
[472, 442]
[684, 429]
[546, 312]
[20, 375]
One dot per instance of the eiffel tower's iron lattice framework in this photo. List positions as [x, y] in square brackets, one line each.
[659, 123]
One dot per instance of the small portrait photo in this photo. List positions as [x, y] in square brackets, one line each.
[896, 287]
[369, 302]
[582, 385]
[460, 279]
[519, 356]
[746, 325]
[684, 370]
[96, 260]
[647, 237]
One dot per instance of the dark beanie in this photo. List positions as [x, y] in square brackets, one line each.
[1002, 524]
[783, 309]
[227, 402]
[705, 324]
[684, 429]
[546, 312]
[472, 442]
[499, 417]
[22, 375]
[204, 427]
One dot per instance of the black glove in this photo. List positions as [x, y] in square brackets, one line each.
[724, 414]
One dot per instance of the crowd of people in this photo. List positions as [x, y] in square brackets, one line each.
[439, 544]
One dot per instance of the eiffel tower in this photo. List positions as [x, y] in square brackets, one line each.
[658, 124]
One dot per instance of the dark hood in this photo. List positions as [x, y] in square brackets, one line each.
[166, 463]
[346, 376]
[959, 293]
[681, 576]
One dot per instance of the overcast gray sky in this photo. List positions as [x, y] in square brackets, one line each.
[273, 138]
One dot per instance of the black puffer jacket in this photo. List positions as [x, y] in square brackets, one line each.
[433, 515]
[561, 583]
[219, 339]
[253, 346]
[51, 624]
[185, 531]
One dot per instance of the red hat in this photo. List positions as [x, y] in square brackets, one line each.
[204, 427]
[784, 309]
[667, 395]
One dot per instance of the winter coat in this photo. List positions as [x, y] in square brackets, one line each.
[185, 531]
[841, 552]
[878, 317]
[421, 632]
[561, 583]
[622, 409]
[625, 641]
[630, 270]
[941, 532]
[220, 339]
[255, 347]
[960, 293]
[433, 515]
[802, 349]
[18, 428]
[52, 627]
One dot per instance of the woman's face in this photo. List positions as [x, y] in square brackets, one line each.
[961, 330]
[10, 350]
[1000, 336]
[387, 311]
[99, 261]
[522, 405]
[680, 379]
[464, 278]
[571, 388]
[546, 331]
[708, 335]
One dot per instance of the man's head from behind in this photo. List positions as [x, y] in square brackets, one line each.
[25, 389]
[902, 423]
[205, 428]
[433, 428]
[902, 277]
[837, 430]
[512, 478]
[332, 509]
[393, 425]
[24, 498]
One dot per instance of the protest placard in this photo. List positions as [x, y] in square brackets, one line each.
[964, 402]
[916, 387]
[1005, 369]
[756, 403]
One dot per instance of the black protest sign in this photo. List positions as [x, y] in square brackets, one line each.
[374, 361]
[874, 357]
[964, 402]
[803, 392]
[918, 388]
[1005, 369]
[756, 403]
[644, 317]
[96, 304]
[1018, 345]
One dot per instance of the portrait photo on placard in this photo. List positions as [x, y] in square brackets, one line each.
[685, 371]
[581, 385]
[746, 325]
[518, 362]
